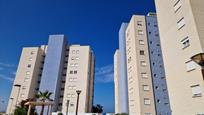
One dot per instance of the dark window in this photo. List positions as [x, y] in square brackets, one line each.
[29, 66]
[71, 72]
[158, 101]
[141, 52]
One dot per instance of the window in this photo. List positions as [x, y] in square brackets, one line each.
[71, 72]
[143, 63]
[129, 50]
[180, 23]
[185, 42]
[68, 95]
[140, 32]
[77, 52]
[71, 79]
[26, 79]
[28, 73]
[72, 105]
[72, 64]
[29, 66]
[75, 72]
[30, 59]
[74, 79]
[73, 51]
[190, 65]
[32, 52]
[77, 58]
[24, 87]
[141, 42]
[156, 87]
[196, 91]
[139, 23]
[141, 52]
[177, 5]
[22, 95]
[146, 88]
[158, 101]
[144, 75]
[73, 95]
[76, 64]
[71, 87]
[147, 101]
[129, 59]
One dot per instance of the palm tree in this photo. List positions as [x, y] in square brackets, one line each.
[43, 96]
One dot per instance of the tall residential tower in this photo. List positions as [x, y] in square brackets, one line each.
[58, 68]
[140, 90]
[181, 29]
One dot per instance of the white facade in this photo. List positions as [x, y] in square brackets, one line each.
[79, 77]
[181, 31]
[116, 81]
[77, 73]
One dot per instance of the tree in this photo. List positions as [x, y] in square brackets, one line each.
[43, 96]
[97, 109]
[22, 109]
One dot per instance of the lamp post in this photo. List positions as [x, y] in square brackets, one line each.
[19, 87]
[77, 105]
[199, 59]
[67, 107]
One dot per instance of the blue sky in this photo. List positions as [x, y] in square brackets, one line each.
[87, 22]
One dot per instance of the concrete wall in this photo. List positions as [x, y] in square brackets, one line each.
[123, 70]
[53, 67]
[79, 78]
[135, 32]
[27, 77]
[116, 81]
[157, 67]
[176, 57]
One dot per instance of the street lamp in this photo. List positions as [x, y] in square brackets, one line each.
[199, 59]
[19, 86]
[78, 93]
[67, 107]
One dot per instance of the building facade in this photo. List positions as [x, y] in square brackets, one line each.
[80, 77]
[28, 75]
[116, 81]
[123, 70]
[157, 67]
[181, 30]
[140, 90]
[49, 68]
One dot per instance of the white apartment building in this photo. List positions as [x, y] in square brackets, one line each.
[181, 29]
[59, 68]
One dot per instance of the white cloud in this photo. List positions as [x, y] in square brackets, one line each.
[6, 78]
[13, 73]
[104, 74]
[7, 65]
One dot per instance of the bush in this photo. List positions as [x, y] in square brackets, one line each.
[60, 114]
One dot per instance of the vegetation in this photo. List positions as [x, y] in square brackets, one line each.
[43, 96]
[60, 114]
[22, 109]
[121, 114]
[97, 109]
